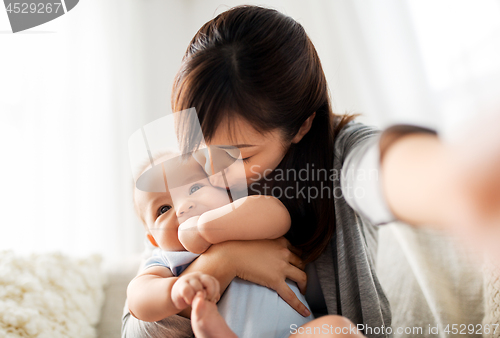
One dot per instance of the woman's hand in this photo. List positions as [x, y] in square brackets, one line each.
[190, 236]
[269, 263]
[474, 211]
[265, 262]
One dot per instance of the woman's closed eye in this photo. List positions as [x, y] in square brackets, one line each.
[163, 209]
[237, 159]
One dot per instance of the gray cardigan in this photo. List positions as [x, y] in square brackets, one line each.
[357, 293]
[346, 269]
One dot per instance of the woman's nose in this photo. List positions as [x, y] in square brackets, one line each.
[186, 208]
[208, 167]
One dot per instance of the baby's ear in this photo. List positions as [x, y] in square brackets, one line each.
[152, 240]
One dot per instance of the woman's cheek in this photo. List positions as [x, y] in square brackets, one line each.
[259, 172]
[236, 176]
[255, 172]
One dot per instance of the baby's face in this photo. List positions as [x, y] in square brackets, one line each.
[189, 194]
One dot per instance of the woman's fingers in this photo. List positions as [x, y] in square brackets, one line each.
[293, 249]
[298, 276]
[296, 261]
[291, 299]
[294, 255]
[269, 263]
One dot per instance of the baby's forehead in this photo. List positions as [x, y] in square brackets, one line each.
[177, 171]
[171, 172]
[182, 170]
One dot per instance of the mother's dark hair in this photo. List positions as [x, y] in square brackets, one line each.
[260, 65]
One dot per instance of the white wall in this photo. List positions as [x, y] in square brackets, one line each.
[73, 90]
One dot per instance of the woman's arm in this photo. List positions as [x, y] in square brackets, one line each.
[404, 173]
[452, 185]
[264, 262]
[418, 178]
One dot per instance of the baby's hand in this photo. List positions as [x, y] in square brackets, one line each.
[186, 287]
[190, 237]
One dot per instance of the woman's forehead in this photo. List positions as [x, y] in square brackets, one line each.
[238, 131]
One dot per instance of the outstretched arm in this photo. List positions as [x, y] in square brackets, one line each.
[453, 184]
[406, 173]
[418, 179]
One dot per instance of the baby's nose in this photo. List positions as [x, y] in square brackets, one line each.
[186, 208]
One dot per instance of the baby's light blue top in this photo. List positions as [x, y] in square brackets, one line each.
[249, 309]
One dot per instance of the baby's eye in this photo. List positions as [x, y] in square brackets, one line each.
[163, 209]
[195, 188]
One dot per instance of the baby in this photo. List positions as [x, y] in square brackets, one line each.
[204, 215]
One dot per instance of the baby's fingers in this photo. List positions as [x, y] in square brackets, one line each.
[291, 298]
[182, 295]
[212, 287]
[196, 284]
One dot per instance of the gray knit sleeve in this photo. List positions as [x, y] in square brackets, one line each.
[361, 179]
[361, 182]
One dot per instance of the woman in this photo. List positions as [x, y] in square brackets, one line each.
[256, 82]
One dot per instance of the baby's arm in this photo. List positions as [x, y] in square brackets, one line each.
[149, 294]
[156, 294]
[248, 218]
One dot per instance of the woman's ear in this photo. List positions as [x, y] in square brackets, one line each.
[304, 128]
[152, 240]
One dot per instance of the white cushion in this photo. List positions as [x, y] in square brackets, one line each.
[50, 295]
